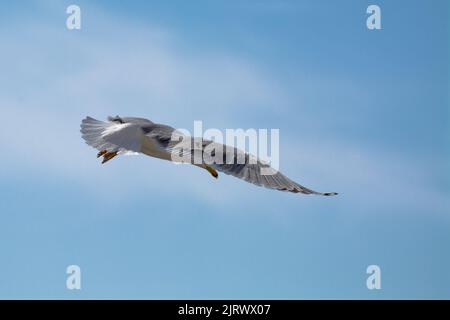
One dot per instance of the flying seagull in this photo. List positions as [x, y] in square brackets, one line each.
[122, 135]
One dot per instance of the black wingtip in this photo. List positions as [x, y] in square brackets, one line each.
[330, 194]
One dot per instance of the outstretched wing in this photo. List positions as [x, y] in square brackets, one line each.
[228, 160]
[245, 166]
[262, 174]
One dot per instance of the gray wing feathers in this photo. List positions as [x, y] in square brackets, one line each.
[251, 172]
[247, 170]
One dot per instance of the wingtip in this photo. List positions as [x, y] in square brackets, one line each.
[330, 194]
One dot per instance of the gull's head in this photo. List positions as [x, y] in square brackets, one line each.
[133, 120]
[116, 119]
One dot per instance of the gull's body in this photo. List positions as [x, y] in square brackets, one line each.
[121, 135]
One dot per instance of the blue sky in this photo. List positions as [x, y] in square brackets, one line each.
[364, 113]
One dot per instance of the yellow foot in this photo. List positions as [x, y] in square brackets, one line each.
[108, 156]
[212, 171]
[101, 153]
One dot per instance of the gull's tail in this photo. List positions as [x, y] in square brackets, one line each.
[91, 132]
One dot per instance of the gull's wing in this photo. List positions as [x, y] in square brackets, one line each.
[234, 162]
[247, 167]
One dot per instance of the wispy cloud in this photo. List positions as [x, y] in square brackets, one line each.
[51, 87]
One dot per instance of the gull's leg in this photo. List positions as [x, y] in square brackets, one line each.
[108, 156]
[212, 171]
[101, 153]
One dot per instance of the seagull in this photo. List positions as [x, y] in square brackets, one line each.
[131, 135]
